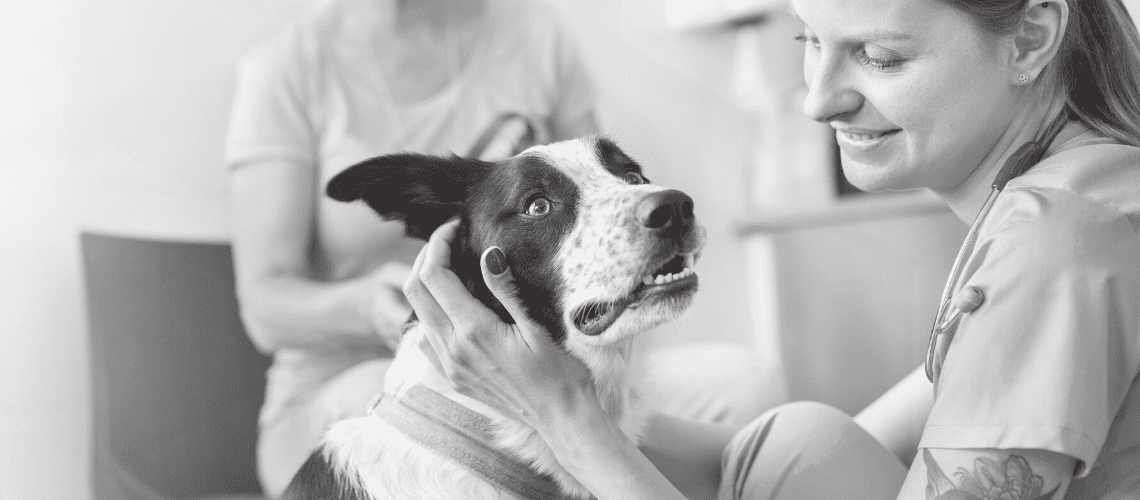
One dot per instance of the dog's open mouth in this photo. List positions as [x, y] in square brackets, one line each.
[674, 275]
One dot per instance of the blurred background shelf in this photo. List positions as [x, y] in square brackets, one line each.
[846, 210]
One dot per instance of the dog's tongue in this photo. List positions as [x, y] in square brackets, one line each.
[595, 317]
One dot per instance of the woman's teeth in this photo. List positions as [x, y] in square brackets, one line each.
[661, 279]
[865, 136]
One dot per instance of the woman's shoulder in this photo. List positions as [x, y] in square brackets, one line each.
[1090, 176]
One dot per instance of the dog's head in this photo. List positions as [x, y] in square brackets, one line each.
[598, 253]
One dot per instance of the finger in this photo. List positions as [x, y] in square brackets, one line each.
[423, 303]
[499, 278]
[443, 284]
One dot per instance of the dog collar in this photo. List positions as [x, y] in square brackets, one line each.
[464, 437]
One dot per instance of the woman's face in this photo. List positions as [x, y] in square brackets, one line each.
[916, 94]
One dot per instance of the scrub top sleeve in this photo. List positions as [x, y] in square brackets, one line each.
[574, 90]
[1048, 358]
[269, 121]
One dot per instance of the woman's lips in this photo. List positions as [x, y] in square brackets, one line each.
[863, 140]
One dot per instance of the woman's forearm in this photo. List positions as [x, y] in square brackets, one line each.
[591, 447]
[283, 311]
[272, 226]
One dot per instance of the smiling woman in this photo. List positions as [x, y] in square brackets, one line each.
[915, 92]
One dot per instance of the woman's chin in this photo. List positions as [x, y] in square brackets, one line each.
[876, 178]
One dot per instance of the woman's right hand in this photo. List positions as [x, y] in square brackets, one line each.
[516, 368]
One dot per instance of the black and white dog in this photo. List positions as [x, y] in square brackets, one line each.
[599, 256]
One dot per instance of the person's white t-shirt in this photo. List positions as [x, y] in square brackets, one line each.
[315, 97]
[1050, 359]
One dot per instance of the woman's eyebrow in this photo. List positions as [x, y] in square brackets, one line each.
[880, 36]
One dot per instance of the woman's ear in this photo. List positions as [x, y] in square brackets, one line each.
[1038, 38]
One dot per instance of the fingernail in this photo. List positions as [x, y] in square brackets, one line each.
[496, 261]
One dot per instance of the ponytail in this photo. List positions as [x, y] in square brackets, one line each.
[1097, 65]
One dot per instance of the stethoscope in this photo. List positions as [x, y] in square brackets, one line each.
[970, 298]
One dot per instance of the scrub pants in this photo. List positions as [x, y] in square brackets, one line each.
[720, 383]
[808, 451]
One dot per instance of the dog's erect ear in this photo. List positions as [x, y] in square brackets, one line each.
[420, 190]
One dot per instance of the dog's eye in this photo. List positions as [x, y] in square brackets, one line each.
[539, 206]
[633, 178]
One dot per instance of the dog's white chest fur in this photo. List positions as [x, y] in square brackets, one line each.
[389, 465]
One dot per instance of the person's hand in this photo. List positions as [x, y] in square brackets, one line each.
[516, 368]
[389, 308]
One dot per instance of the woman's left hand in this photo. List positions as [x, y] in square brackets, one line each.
[516, 368]
[520, 370]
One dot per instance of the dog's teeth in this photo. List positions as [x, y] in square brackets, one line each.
[689, 261]
[659, 279]
[648, 280]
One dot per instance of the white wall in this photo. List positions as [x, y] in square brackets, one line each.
[113, 115]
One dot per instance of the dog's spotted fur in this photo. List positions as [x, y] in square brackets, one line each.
[580, 270]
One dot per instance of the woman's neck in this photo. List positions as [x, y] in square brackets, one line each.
[969, 196]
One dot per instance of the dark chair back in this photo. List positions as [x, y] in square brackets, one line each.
[176, 383]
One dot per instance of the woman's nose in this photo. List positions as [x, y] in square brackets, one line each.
[830, 94]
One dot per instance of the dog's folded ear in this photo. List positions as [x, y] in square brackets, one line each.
[423, 191]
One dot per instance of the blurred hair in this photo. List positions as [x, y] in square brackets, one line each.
[1097, 66]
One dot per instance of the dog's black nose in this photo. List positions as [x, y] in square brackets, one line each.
[665, 209]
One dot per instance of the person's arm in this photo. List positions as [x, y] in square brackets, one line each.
[687, 452]
[896, 418]
[271, 206]
[272, 176]
[988, 474]
[517, 368]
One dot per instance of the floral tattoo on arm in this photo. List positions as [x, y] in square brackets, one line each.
[990, 480]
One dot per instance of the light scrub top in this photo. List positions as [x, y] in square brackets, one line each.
[1050, 359]
[315, 97]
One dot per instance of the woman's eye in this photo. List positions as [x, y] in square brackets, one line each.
[538, 207]
[879, 63]
[633, 178]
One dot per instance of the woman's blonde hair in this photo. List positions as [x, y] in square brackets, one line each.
[1097, 66]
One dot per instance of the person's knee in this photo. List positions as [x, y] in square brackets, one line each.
[812, 415]
[791, 428]
[795, 446]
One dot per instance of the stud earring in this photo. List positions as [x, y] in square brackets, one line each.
[1023, 78]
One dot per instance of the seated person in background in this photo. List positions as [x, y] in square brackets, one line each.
[320, 281]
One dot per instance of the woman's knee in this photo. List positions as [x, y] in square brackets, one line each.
[807, 450]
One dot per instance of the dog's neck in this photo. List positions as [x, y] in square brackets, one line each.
[609, 368]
